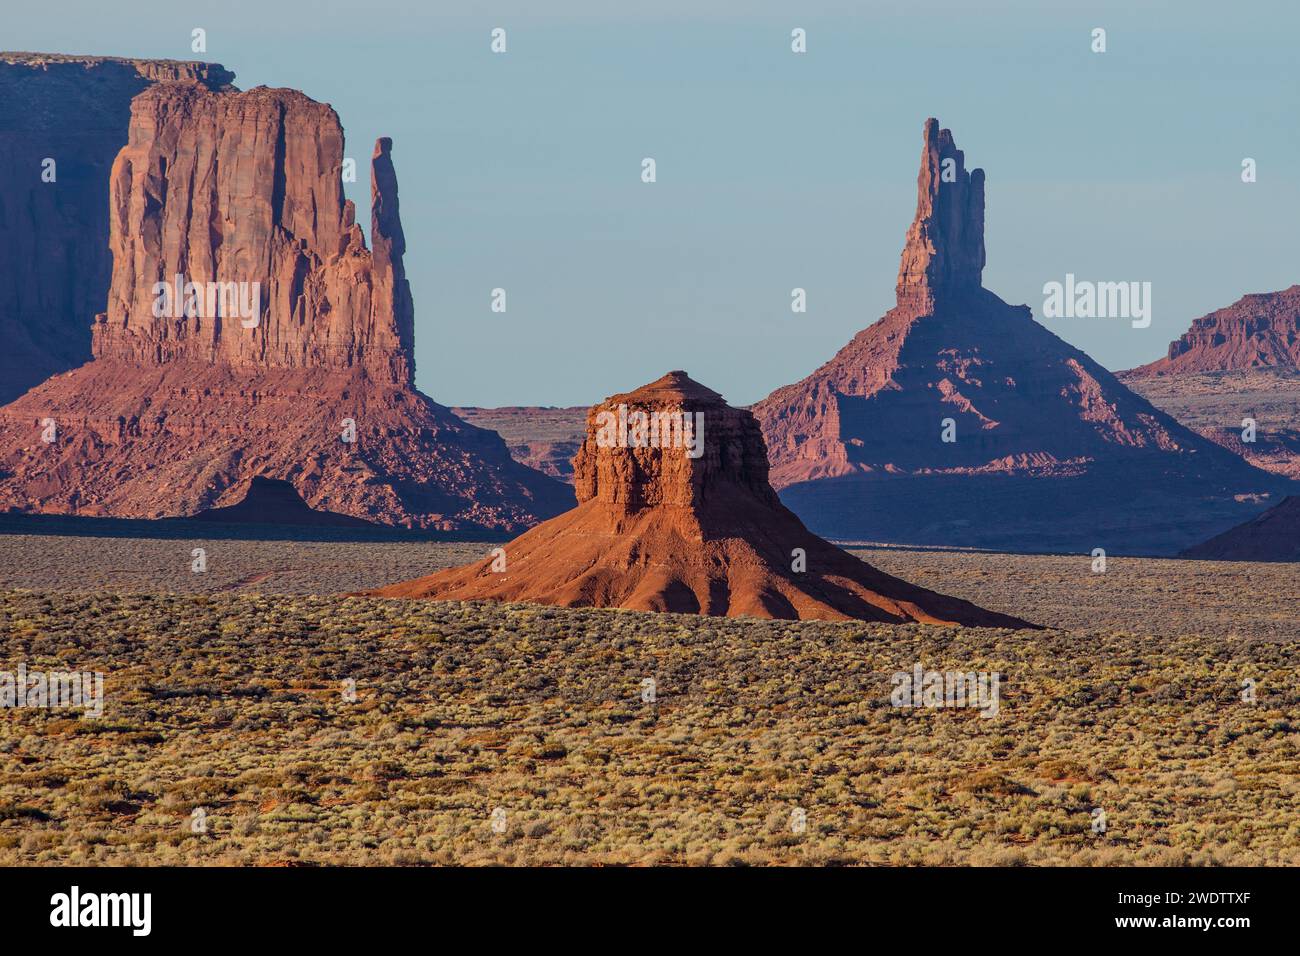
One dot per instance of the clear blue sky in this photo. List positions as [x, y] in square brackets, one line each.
[775, 170]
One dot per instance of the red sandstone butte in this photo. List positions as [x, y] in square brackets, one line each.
[54, 257]
[658, 530]
[175, 414]
[1052, 452]
[1257, 331]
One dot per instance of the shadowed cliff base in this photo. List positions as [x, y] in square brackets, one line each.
[1018, 513]
[275, 501]
[184, 529]
[1271, 536]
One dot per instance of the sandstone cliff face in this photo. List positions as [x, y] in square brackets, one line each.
[261, 171]
[731, 456]
[1051, 451]
[54, 235]
[944, 249]
[179, 411]
[1256, 331]
[661, 528]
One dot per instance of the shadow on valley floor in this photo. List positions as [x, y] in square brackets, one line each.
[184, 529]
[1025, 515]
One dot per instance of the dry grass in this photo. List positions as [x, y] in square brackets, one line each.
[233, 702]
[1155, 597]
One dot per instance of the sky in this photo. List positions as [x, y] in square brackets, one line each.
[775, 170]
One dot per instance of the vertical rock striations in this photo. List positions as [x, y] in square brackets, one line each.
[730, 459]
[259, 176]
[284, 349]
[54, 257]
[944, 250]
[389, 247]
[956, 419]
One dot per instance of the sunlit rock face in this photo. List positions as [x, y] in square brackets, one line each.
[63, 120]
[667, 522]
[250, 332]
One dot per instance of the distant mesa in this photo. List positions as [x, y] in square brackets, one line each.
[1253, 412]
[305, 371]
[1046, 450]
[274, 501]
[1261, 330]
[542, 438]
[1272, 536]
[1236, 367]
[685, 521]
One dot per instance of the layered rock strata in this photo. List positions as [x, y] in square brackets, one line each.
[956, 419]
[675, 513]
[63, 120]
[249, 331]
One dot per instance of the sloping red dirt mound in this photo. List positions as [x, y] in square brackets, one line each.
[676, 514]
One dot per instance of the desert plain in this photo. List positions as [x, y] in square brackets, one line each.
[300, 726]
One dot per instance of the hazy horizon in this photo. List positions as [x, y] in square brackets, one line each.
[775, 170]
